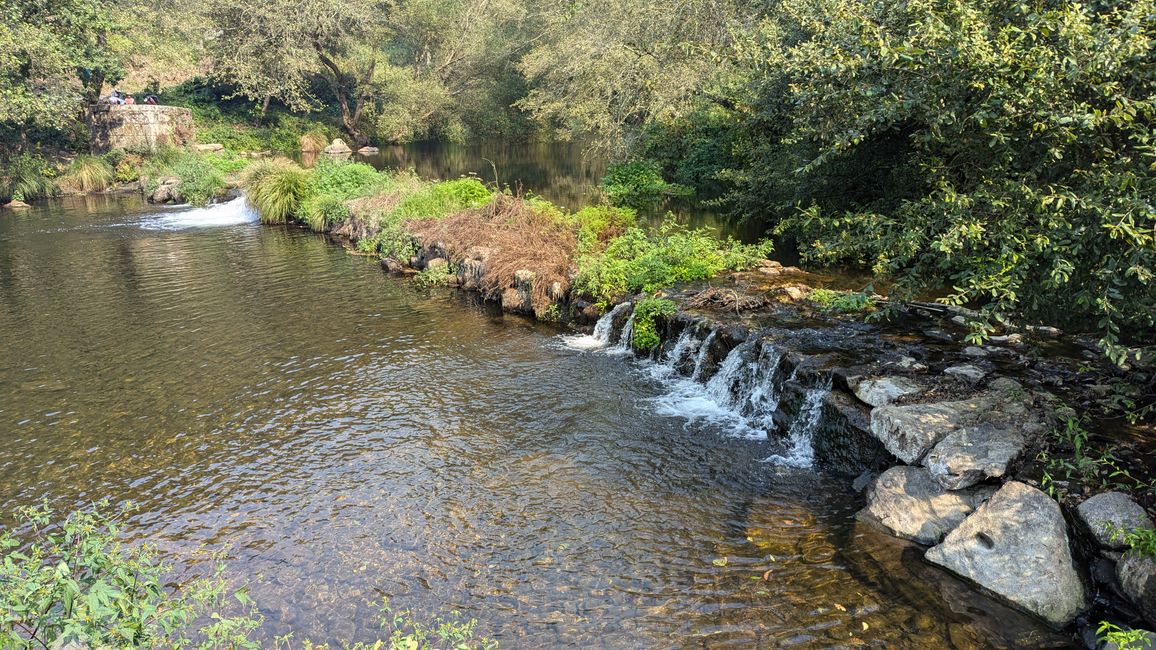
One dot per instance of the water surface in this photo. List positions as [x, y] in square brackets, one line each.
[347, 437]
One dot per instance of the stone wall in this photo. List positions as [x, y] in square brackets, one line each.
[139, 127]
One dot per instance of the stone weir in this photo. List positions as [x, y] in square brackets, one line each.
[941, 437]
[138, 127]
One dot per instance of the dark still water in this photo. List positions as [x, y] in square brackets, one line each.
[347, 437]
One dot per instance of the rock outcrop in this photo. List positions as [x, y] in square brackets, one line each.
[910, 504]
[337, 147]
[1108, 512]
[1016, 546]
[911, 431]
[1137, 576]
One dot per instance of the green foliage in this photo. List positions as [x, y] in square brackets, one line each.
[25, 177]
[598, 224]
[696, 149]
[639, 183]
[1071, 459]
[637, 261]
[1123, 639]
[87, 173]
[645, 332]
[847, 302]
[439, 200]
[435, 276]
[77, 582]
[1140, 540]
[276, 189]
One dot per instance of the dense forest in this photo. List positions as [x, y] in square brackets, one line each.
[992, 154]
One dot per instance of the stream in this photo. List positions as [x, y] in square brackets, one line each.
[346, 437]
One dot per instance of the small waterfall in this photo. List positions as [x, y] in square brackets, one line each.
[722, 386]
[600, 338]
[762, 392]
[703, 351]
[235, 212]
[624, 339]
[801, 452]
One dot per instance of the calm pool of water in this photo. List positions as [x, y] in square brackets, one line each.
[347, 437]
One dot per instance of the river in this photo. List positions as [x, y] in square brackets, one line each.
[346, 437]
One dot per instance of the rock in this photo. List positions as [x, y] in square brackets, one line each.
[959, 320]
[792, 292]
[1137, 576]
[863, 481]
[437, 263]
[911, 431]
[391, 265]
[167, 191]
[975, 351]
[1109, 511]
[337, 147]
[938, 334]
[1016, 547]
[970, 455]
[16, 205]
[908, 503]
[368, 151]
[966, 371]
[910, 363]
[556, 291]
[884, 390]
[212, 146]
[1008, 339]
[1046, 331]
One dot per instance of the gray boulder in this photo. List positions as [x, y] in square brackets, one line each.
[966, 371]
[910, 504]
[884, 390]
[910, 431]
[1137, 576]
[1110, 511]
[1016, 546]
[338, 147]
[970, 455]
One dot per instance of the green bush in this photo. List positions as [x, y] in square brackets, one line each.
[26, 177]
[201, 180]
[639, 183]
[597, 224]
[75, 581]
[645, 332]
[276, 189]
[439, 200]
[637, 261]
[87, 173]
[321, 211]
[847, 302]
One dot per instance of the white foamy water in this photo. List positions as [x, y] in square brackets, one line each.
[598, 339]
[801, 452]
[231, 213]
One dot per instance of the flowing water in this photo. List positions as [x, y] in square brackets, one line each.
[346, 437]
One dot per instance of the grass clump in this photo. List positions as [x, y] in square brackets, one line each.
[439, 200]
[74, 581]
[848, 302]
[87, 173]
[639, 183]
[26, 177]
[201, 175]
[645, 333]
[637, 261]
[331, 186]
[276, 189]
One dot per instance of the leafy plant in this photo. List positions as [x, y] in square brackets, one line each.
[1123, 639]
[434, 276]
[845, 301]
[645, 332]
[201, 180]
[77, 582]
[1141, 540]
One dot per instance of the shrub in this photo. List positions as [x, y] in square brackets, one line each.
[77, 582]
[323, 210]
[645, 333]
[127, 167]
[276, 188]
[636, 261]
[26, 177]
[437, 200]
[597, 225]
[87, 173]
[639, 183]
[201, 181]
[313, 142]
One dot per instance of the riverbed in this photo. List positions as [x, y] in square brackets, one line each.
[347, 437]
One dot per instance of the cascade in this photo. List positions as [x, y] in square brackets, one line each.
[801, 452]
[703, 351]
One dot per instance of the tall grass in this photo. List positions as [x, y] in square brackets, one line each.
[25, 177]
[201, 179]
[276, 189]
[87, 173]
[313, 142]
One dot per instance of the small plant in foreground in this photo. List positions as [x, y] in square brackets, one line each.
[77, 582]
[847, 302]
[434, 276]
[1140, 540]
[1123, 639]
[645, 332]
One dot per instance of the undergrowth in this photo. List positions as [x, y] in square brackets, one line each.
[645, 332]
[639, 183]
[848, 302]
[26, 177]
[87, 173]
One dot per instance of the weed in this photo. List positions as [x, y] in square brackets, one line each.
[847, 302]
[276, 189]
[434, 276]
[1123, 639]
[87, 173]
[1140, 540]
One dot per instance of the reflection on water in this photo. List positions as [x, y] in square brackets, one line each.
[348, 438]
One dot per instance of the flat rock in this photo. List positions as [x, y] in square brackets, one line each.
[368, 151]
[1137, 576]
[1109, 511]
[1016, 546]
[966, 371]
[208, 147]
[910, 504]
[884, 390]
[973, 454]
[910, 431]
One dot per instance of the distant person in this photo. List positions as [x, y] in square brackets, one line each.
[114, 97]
[151, 100]
[129, 100]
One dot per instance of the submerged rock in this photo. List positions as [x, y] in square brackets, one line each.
[910, 504]
[970, 455]
[368, 151]
[1109, 511]
[16, 205]
[168, 190]
[1137, 576]
[1016, 546]
[884, 390]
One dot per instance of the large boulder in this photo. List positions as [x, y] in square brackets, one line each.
[338, 147]
[884, 390]
[1137, 576]
[1016, 546]
[910, 504]
[911, 431]
[1107, 512]
[970, 455]
[168, 190]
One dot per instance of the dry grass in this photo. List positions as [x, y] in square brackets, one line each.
[313, 143]
[519, 238]
[720, 299]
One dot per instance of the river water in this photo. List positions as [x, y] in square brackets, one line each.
[344, 437]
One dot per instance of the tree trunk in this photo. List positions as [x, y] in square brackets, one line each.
[264, 110]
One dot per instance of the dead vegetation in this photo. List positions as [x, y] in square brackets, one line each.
[720, 299]
[517, 237]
